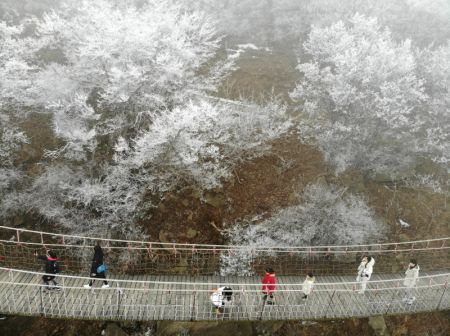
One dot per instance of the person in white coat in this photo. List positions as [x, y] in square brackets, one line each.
[411, 275]
[218, 297]
[365, 270]
[308, 285]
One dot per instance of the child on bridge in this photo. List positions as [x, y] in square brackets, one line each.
[218, 297]
[51, 267]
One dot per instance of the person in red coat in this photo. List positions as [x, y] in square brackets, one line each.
[268, 285]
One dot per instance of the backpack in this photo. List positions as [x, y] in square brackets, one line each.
[101, 268]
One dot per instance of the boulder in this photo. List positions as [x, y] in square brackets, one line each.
[200, 328]
[378, 325]
[113, 329]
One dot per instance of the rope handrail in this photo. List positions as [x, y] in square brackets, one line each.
[222, 248]
[199, 290]
[363, 247]
[209, 284]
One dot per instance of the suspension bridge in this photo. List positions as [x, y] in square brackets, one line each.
[165, 281]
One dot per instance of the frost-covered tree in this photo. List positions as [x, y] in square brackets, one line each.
[435, 69]
[127, 62]
[11, 139]
[15, 9]
[127, 76]
[326, 215]
[202, 141]
[103, 70]
[17, 63]
[362, 97]
[196, 145]
[146, 56]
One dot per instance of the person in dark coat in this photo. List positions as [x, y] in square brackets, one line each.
[51, 267]
[97, 267]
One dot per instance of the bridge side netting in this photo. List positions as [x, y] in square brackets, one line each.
[129, 257]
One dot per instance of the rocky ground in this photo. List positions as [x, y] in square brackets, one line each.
[427, 324]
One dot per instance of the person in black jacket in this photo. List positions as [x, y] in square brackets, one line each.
[51, 267]
[96, 271]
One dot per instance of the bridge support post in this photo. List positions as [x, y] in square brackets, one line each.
[192, 313]
[438, 307]
[119, 292]
[389, 303]
[329, 304]
[13, 293]
[42, 301]
[262, 309]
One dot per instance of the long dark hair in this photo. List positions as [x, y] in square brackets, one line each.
[270, 270]
[369, 258]
[98, 253]
[227, 293]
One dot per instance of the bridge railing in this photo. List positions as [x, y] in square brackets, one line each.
[17, 247]
[185, 298]
[52, 239]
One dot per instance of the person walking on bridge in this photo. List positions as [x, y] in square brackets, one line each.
[268, 285]
[218, 297]
[365, 270]
[411, 275]
[98, 267]
[51, 268]
[308, 285]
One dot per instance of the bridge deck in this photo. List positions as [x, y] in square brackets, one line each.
[162, 297]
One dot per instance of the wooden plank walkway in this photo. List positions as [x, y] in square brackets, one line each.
[184, 298]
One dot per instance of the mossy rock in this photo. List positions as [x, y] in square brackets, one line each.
[200, 328]
[191, 233]
[196, 194]
[215, 200]
[378, 324]
[17, 221]
[113, 329]
[321, 180]
[165, 236]
[182, 266]
[403, 237]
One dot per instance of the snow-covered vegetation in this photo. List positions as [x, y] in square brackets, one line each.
[326, 215]
[128, 92]
[133, 77]
[365, 98]
[11, 139]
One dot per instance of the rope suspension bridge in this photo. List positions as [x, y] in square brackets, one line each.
[165, 281]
